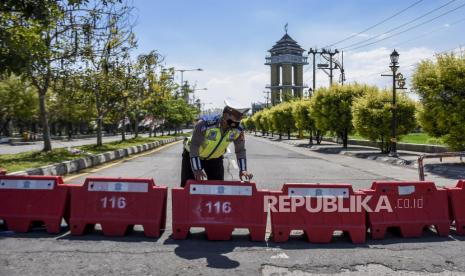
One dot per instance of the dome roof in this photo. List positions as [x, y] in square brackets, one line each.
[286, 45]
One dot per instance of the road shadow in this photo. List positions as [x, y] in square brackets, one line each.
[393, 236]
[196, 246]
[337, 149]
[299, 241]
[36, 232]
[39, 232]
[132, 235]
[447, 170]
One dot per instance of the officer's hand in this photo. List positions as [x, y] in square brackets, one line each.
[200, 175]
[245, 176]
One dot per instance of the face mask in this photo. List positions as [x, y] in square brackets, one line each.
[232, 123]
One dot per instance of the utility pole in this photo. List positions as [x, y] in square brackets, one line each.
[314, 52]
[331, 68]
[333, 64]
[328, 55]
[182, 79]
[267, 97]
[343, 75]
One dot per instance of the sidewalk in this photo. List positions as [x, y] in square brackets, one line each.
[38, 145]
[450, 167]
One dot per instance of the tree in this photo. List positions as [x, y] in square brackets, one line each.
[282, 120]
[21, 23]
[51, 38]
[18, 103]
[179, 112]
[332, 108]
[247, 122]
[161, 89]
[372, 116]
[256, 118]
[265, 121]
[107, 37]
[301, 111]
[69, 107]
[441, 88]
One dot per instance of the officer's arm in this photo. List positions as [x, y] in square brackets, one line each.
[239, 145]
[198, 137]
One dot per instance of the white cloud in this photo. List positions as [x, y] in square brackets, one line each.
[383, 35]
[367, 66]
[247, 82]
[243, 86]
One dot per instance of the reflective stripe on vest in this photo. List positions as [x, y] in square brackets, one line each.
[215, 144]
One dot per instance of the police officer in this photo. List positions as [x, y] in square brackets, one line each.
[203, 152]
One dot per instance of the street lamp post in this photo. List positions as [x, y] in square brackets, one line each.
[398, 82]
[186, 70]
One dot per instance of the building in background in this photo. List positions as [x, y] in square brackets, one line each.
[286, 60]
[257, 107]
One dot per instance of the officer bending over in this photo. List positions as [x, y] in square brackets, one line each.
[202, 157]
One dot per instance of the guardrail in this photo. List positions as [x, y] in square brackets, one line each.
[421, 165]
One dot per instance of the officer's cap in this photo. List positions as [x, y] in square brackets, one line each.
[236, 105]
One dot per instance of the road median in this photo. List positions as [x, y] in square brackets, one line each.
[87, 160]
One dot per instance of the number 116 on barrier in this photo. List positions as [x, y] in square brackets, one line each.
[113, 202]
[218, 207]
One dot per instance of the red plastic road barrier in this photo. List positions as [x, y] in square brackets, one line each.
[25, 200]
[219, 207]
[118, 204]
[415, 205]
[457, 199]
[310, 215]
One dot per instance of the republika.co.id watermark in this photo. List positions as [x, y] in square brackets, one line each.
[330, 204]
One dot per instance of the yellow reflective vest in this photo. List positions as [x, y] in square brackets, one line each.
[215, 144]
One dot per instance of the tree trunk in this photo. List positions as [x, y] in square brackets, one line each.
[44, 121]
[344, 138]
[99, 131]
[382, 144]
[310, 141]
[288, 134]
[136, 127]
[319, 137]
[70, 130]
[123, 133]
[280, 136]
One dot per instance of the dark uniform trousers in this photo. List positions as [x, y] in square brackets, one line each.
[213, 168]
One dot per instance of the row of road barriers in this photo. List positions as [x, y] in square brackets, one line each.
[118, 204]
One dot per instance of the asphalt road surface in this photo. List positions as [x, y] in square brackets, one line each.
[273, 163]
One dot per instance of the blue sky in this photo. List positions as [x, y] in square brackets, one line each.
[230, 39]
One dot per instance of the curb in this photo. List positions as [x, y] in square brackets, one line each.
[76, 165]
[426, 148]
[383, 159]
